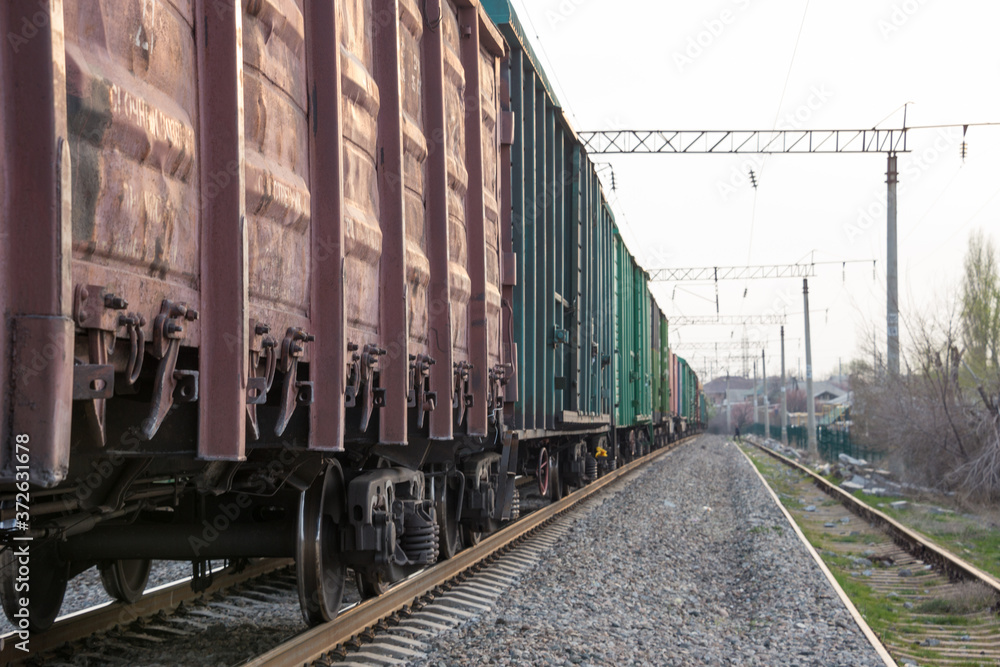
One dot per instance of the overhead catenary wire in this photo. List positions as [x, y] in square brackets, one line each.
[550, 70]
[774, 126]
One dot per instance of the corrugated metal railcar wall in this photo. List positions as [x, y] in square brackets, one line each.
[238, 161]
[664, 405]
[655, 383]
[587, 271]
[632, 358]
[561, 238]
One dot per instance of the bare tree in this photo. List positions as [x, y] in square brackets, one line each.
[939, 420]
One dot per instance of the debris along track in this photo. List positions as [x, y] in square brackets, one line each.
[927, 605]
[394, 626]
[102, 634]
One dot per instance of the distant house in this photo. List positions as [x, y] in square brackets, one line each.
[825, 392]
[739, 388]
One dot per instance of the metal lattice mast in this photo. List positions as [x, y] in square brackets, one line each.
[766, 142]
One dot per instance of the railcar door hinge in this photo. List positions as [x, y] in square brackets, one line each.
[293, 391]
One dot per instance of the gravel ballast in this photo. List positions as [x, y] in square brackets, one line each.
[689, 563]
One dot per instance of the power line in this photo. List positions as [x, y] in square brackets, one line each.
[725, 320]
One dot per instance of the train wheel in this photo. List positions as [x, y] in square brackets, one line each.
[125, 580]
[321, 571]
[471, 537]
[543, 472]
[371, 586]
[46, 578]
[555, 482]
[447, 515]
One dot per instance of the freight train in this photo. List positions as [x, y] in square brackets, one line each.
[300, 278]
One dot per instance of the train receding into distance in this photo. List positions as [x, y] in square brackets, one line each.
[300, 278]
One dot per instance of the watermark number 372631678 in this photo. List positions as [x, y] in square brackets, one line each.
[21, 546]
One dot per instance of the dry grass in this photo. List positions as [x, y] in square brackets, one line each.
[967, 597]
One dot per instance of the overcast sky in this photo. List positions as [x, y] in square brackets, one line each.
[790, 64]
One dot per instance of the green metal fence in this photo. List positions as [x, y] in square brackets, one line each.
[833, 443]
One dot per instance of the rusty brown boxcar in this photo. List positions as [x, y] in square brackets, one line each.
[296, 278]
[251, 258]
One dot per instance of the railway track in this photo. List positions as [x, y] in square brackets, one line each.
[101, 618]
[95, 632]
[927, 605]
[434, 598]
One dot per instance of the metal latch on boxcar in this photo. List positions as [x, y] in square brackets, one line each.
[293, 391]
[462, 397]
[96, 311]
[262, 346]
[420, 371]
[559, 336]
[170, 385]
[498, 379]
[361, 378]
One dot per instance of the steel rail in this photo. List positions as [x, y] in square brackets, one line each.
[914, 543]
[86, 622]
[313, 643]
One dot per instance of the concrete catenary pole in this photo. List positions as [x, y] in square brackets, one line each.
[892, 274]
[756, 417]
[784, 396]
[767, 403]
[729, 408]
[810, 405]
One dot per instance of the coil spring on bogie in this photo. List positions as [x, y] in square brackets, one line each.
[515, 505]
[421, 539]
[591, 467]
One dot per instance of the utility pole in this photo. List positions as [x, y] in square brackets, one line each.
[756, 417]
[762, 142]
[784, 396]
[810, 405]
[767, 404]
[892, 274]
[729, 408]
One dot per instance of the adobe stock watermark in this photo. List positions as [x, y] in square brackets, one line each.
[899, 16]
[29, 27]
[786, 298]
[794, 120]
[563, 12]
[914, 166]
[712, 29]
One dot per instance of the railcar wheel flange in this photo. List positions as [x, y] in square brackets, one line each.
[46, 577]
[125, 580]
[321, 571]
[555, 480]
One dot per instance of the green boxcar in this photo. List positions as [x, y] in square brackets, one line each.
[660, 376]
[633, 366]
[688, 392]
[562, 236]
